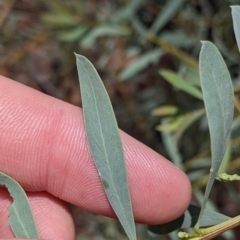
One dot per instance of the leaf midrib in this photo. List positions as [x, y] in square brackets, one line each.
[219, 98]
[19, 219]
[105, 153]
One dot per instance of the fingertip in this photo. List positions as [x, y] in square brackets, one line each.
[160, 191]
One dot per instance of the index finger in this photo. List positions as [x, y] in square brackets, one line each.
[43, 146]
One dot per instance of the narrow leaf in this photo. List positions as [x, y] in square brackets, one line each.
[165, 111]
[105, 144]
[219, 103]
[191, 76]
[100, 31]
[21, 219]
[72, 34]
[141, 63]
[139, 26]
[127, 11]
[171, 125]
[236, 124]
[189, 219]
[181, 84]
[169, 10]
[197, 175]
[236, 23]
[178, 38]
[189, 119]
[59, 20]
[171, 148]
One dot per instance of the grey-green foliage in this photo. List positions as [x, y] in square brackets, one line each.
[141, 63]
[236, 23]
[127, 11]
[105, 143]
[171, 7]
[190, 118]
[181, 84]
[189, 219]
[177, 38]
[171, 148]
[72, 34]
[219, 103]
[99, 31]
[21, 219]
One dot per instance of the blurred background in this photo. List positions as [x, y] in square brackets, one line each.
[146, 53]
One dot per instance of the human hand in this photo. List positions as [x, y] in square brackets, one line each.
[43, 146]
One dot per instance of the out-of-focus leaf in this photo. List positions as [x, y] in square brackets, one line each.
[177, 38]
[101, 31]
[236, 23]
[21, 218]
[219, 103]
[189, 219]
[171, 125]
[59, 20]
[171, 148]
[72, 34]
[139, 27]
[141, 63]
[132, 51]
[191, 76]
[197, 174]
[189, 119]
[105, 143]
[165, 110]
[224, 50]
[168, 11]
[198, 163]
[128, 11]
[179, 83]
[237, 103]
[236, 124]
[59, 6]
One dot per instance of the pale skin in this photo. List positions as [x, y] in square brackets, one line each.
[43, 146]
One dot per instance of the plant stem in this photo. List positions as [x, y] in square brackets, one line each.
[173, 51]
[211, 232]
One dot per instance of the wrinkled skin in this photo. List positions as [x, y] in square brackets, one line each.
[43, 146]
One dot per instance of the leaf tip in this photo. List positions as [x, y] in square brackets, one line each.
[204, 42]
[79, 56]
